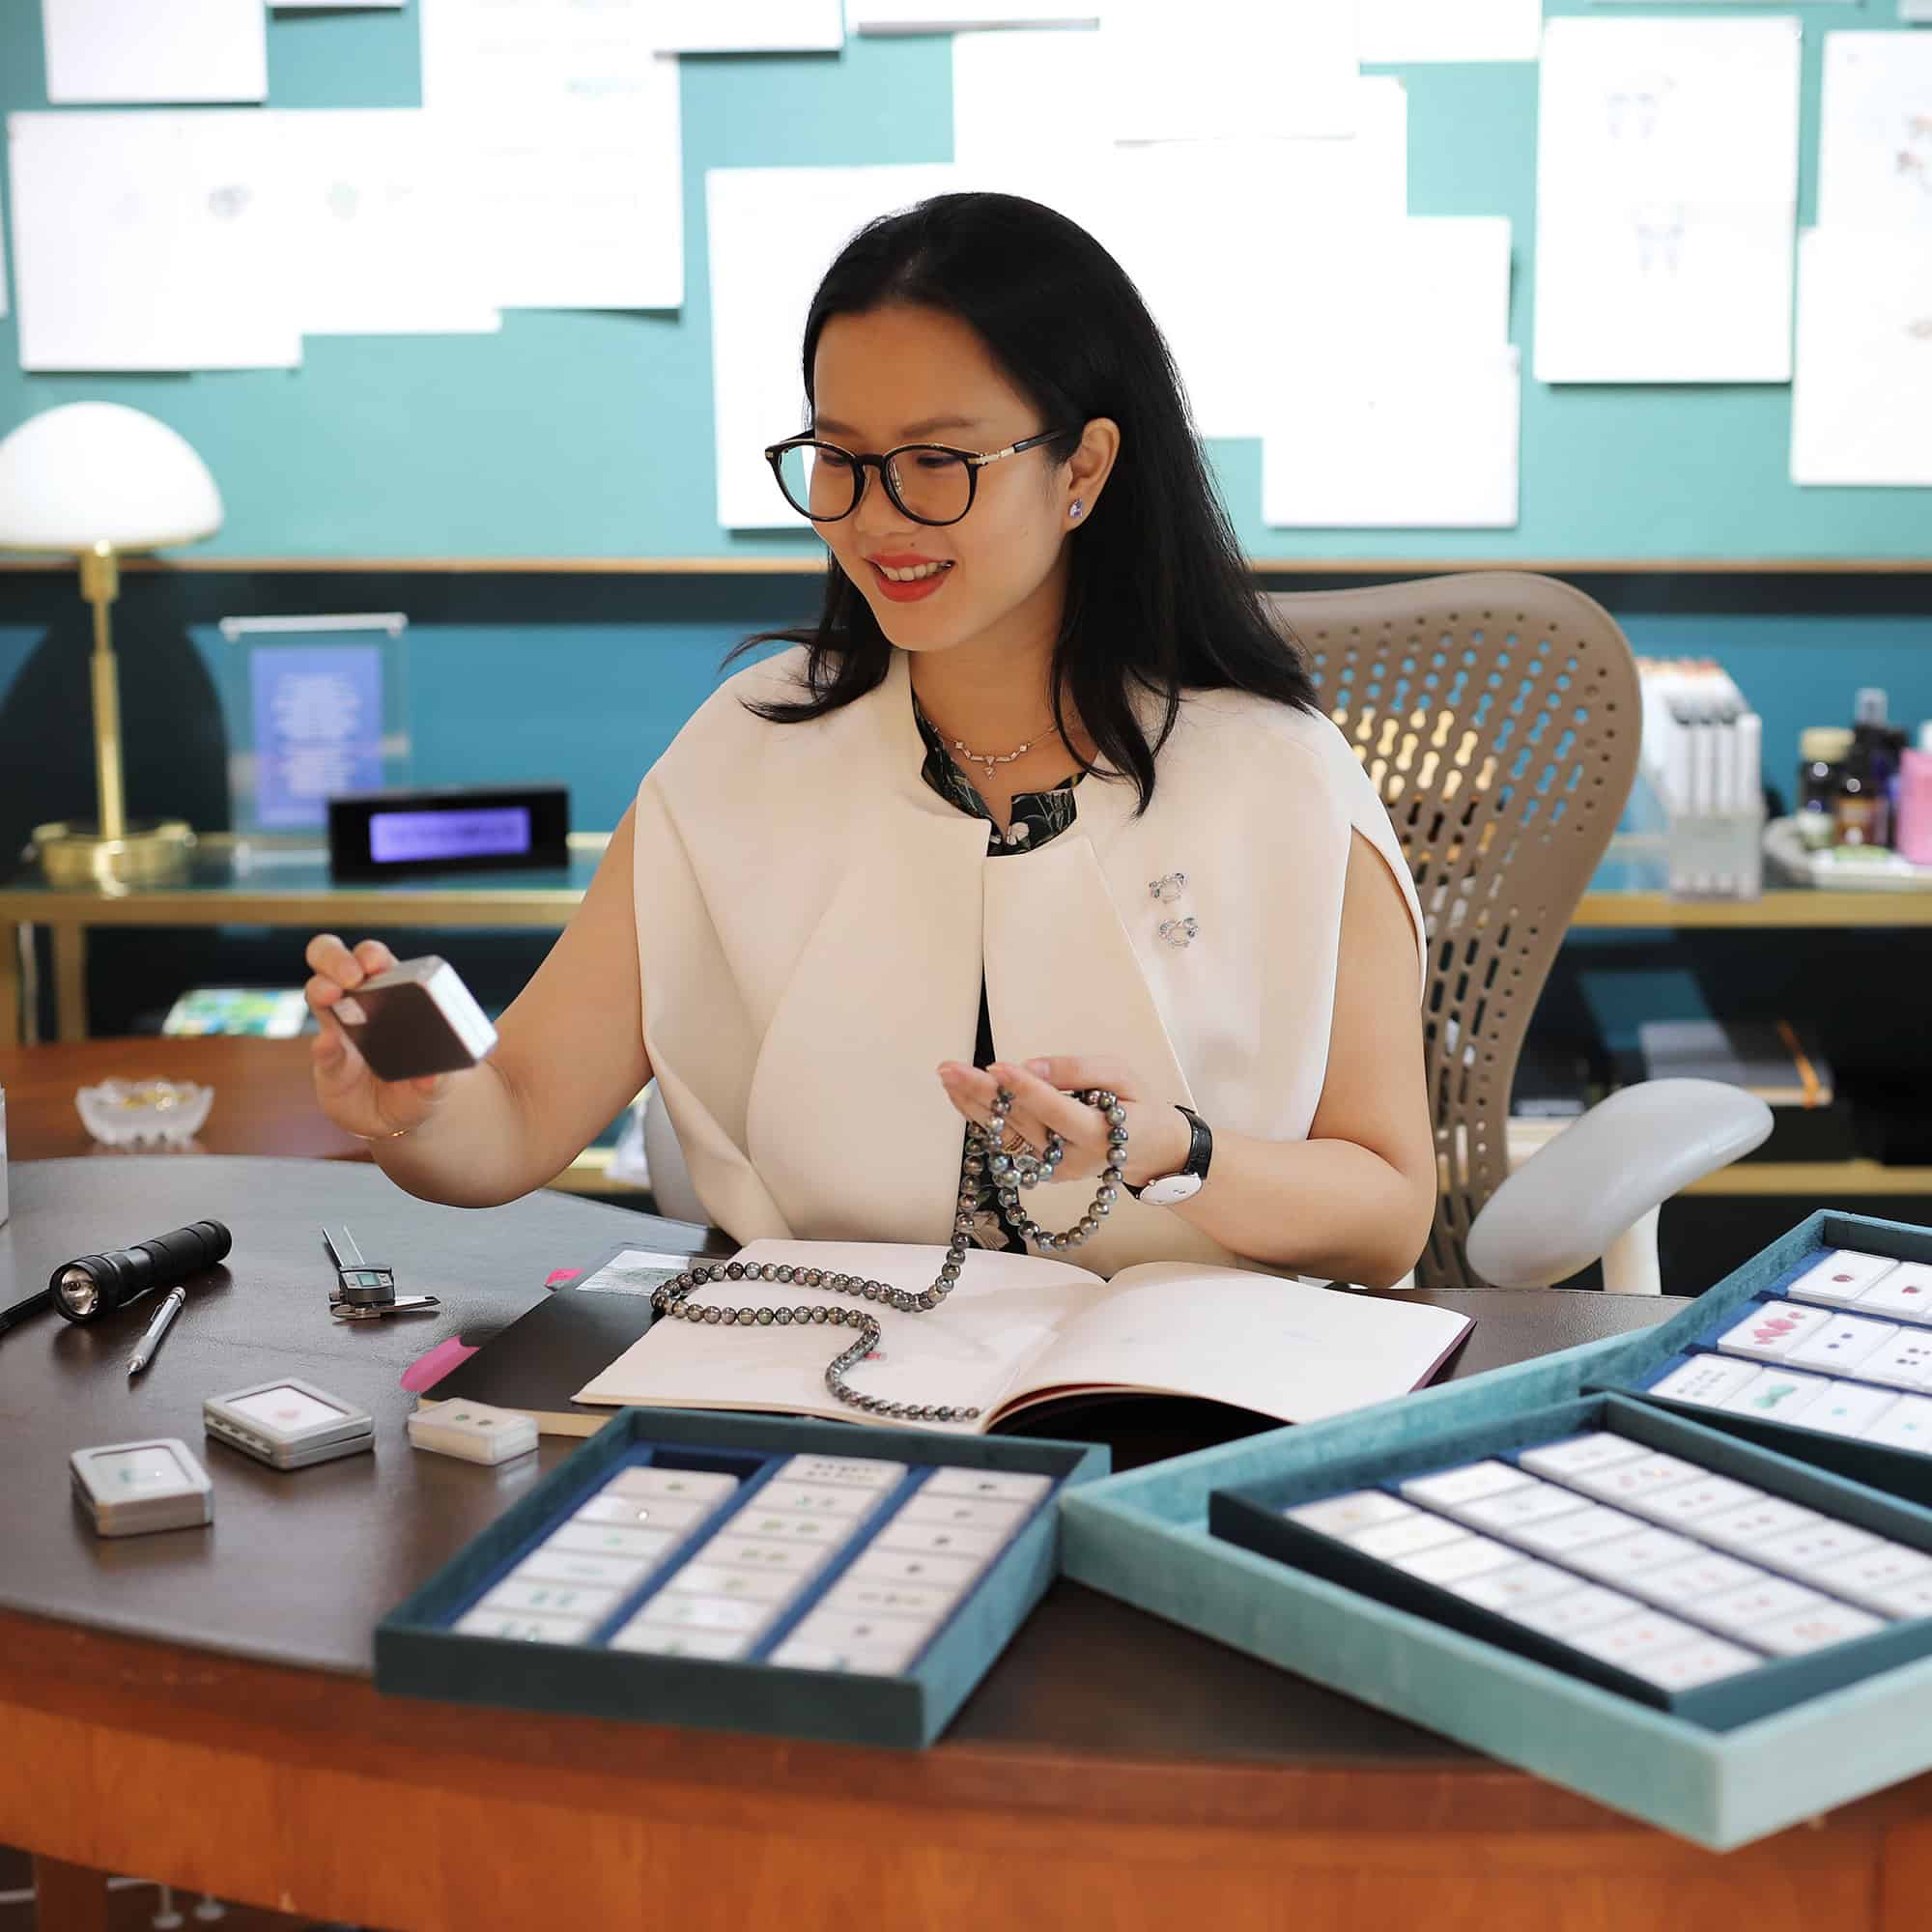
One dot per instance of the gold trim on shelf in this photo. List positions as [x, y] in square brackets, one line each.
[550, 906]
[1830, 1180]
[1798, 906]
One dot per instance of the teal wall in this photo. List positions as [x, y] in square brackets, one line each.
[590, 678]
[589, 434]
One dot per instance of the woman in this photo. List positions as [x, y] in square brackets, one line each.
[1039, 805]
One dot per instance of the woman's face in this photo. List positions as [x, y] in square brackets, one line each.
[904, 374]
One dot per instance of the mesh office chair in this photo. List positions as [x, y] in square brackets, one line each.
[1498, 714]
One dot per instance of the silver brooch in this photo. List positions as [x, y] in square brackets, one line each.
[1179, 931]
[1168, 888]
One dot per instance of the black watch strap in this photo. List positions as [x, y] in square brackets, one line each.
[1200, 1151]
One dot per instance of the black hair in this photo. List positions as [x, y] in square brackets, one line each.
[1159, 594]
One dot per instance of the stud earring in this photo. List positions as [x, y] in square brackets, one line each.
[1074, 513]
[1179, 931]
[1168, 888]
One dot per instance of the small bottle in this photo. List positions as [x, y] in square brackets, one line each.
[1822, 751]
[1859, 808]
[1915, 815]
[1873, 735]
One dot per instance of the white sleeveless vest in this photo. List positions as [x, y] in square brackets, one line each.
[813, 919]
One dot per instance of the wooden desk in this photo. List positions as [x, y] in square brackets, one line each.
[263, 1102]
[196, 1705]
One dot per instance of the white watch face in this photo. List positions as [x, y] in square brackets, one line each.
[1171, 1188]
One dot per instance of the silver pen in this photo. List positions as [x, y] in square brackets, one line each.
[144, 1348]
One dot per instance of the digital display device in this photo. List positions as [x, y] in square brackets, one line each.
[380, 835]
[400, 836]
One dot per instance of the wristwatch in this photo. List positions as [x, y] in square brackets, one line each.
[1168, 1190]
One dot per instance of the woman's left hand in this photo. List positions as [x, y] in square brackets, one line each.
[1044, 1103]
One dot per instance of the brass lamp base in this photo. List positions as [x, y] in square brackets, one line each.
[154, 852]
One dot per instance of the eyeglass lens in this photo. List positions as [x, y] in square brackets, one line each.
[932, 485]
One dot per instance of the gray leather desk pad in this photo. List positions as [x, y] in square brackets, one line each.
[297, 1566]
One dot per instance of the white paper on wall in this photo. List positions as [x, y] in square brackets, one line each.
[773, 233]
[1390, 30]
[385, 240]
[751, 26]
[1180, 216]
[1183, 224]
[1699, 110]
[1664, 293]
[336, 6]
[137, 50]
[949, 16]
[1862, 399]
[1216, 69]
[149, 240]
[1666, 193]
[1399, 289]
[1426, 443]
[1009, 95]
[573, 119]
[1875, 131]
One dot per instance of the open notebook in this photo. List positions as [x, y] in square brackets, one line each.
[1019, 1330]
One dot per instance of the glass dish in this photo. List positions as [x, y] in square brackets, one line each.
[123, 1113]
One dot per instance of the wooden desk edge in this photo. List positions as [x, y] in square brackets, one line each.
[309, 1792]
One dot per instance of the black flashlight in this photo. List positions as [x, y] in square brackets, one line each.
[95, 1284]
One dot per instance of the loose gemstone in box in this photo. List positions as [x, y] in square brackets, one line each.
[1842, 1344]
[1468, 1556]
[1346, 1515]
[1838, 1279]
[1578, 1453]
[1702, 1576]
[1707, 1381]
[1447, 1488]
[1772, 1330]
[1735, 1611]
[1533, 1504]
[1524, 1583]
[1781, 1393]
[1849, 1408]
[1904, 1293]
[1813, 1628]
[1595, 1523]
[1574, 1610]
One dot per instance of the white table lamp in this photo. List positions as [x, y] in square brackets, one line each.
[95, 479]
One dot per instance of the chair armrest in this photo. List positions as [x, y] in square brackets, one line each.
[1564, 1207]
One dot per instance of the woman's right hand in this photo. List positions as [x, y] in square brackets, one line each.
[349, 1093]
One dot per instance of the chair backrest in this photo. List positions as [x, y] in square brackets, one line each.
[1497, 712]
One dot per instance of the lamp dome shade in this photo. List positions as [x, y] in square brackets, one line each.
[100, 473]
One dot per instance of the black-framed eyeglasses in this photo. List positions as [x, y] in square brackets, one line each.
[927, 482]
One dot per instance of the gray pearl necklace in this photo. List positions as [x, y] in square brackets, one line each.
[1010, 1172]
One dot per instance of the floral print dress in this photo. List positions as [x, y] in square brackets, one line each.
[1037, 818]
